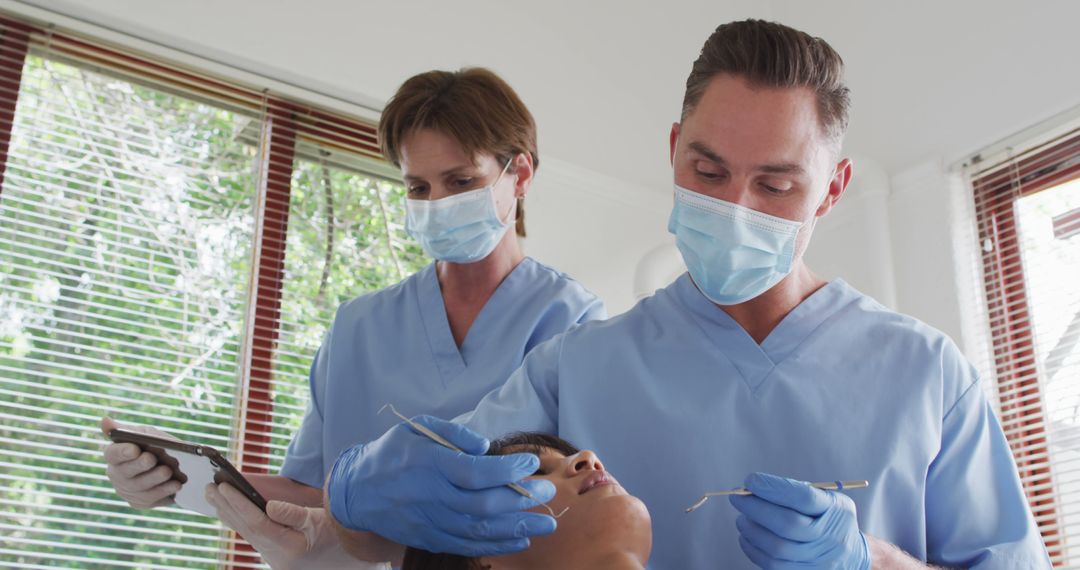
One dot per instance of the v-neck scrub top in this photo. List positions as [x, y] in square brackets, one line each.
[394, 346]
[677, 399]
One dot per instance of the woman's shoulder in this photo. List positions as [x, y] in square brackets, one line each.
[388, 299]
[545, 276]
[546, 290]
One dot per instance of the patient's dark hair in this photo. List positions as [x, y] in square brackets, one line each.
[521, 442]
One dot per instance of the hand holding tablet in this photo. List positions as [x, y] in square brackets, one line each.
[150, 468]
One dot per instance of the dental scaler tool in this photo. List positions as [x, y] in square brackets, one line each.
[827, 486]
[442, 441]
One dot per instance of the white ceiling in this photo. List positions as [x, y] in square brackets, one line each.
[942, 79]
[604, 78]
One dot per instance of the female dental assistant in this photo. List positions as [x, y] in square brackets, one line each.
[438, 341]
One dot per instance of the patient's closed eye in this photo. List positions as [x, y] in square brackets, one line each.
[549, 463]
[545, 468]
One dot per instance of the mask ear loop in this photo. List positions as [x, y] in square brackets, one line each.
[443, 442]
[513, 207]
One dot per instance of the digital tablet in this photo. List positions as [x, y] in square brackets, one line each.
[195, 466]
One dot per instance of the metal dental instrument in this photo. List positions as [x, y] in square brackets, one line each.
[827, 486]
[442, 441]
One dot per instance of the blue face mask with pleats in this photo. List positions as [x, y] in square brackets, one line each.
[462, 228]
[733, 253]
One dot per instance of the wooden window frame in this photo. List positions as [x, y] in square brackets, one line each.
[1013, 341]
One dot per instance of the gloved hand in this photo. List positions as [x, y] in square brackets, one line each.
[789, 524]
[288, 536]
[138, 477]
[413, 491]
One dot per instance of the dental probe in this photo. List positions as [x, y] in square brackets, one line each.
[442, 441]
[827, 486]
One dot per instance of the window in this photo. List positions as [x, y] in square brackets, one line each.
[1028, 216]
[366, 250]
[172, 248]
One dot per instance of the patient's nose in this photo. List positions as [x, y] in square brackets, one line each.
[583, 461]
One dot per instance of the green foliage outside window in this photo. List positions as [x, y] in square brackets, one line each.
[126, 232]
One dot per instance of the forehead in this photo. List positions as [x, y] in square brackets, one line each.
[751, 124]
[429, 151]
[540, 450]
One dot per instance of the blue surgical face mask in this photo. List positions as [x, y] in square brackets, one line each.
[462, 228]
[733, 253]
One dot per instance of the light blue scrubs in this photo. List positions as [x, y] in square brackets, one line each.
[677, 400]
[395, 346]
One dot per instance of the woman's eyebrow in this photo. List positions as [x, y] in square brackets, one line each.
[461, 168]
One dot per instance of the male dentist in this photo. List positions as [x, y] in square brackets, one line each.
[749, 370]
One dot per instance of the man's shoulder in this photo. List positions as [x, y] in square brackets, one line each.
[645, 320]
[905, 346]
[867, 317]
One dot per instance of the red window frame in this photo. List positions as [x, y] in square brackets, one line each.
[14, 42]
[1009, 313]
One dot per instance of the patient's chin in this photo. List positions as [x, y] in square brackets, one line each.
[589, 530]
[624, 518]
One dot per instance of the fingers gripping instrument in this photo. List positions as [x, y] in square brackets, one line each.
[828, 486]
[442, 441]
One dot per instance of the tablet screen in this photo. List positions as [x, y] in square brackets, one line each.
[200, 473]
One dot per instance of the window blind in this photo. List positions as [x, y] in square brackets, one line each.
[1027, 214]
[172, 246]
[346, 236]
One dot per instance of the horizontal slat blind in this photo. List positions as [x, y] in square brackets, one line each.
[172, 246]
[125, 228]
[1030, 252]
[340, 244]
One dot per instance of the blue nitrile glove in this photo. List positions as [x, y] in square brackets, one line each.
[789, 524]
[415, 492]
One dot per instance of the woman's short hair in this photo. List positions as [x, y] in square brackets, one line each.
[472, 106]
[521, 442]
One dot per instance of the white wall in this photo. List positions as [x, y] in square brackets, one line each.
[604, 80]
[931, 81]
[935, 80]
[925, 254]
[595, 228]
[900, 239]
[853, 241]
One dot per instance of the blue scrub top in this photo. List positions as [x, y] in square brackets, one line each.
[395, 346]
[677, 399]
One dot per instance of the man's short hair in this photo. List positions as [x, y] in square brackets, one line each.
[768, 54]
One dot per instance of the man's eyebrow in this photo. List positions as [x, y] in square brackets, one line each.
[784, 168]
[787, 168]
[707, 152]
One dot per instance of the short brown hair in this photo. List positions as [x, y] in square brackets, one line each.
[769, 54]
[473, 106]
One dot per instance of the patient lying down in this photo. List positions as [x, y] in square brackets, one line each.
[605, 527]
